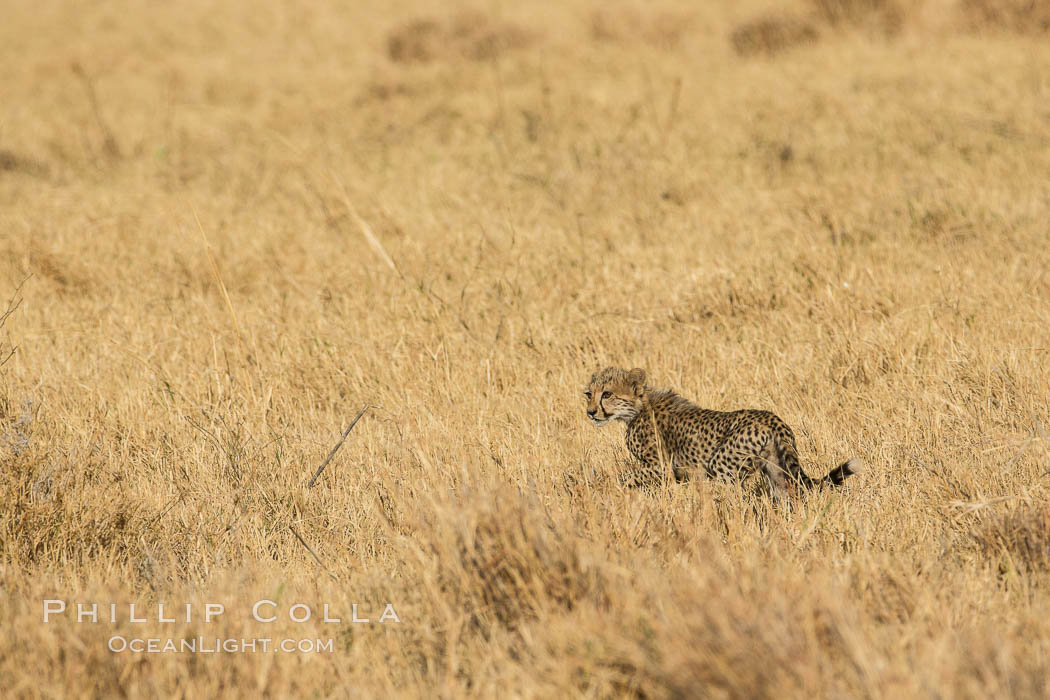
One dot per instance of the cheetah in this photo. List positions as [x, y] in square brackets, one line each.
[665, 430]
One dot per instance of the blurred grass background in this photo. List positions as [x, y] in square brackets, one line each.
[454, 213]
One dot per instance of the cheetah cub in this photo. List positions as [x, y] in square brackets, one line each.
[665, 430]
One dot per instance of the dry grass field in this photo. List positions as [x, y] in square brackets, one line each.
[237, 224]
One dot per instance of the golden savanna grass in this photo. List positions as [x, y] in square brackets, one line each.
[453, 214]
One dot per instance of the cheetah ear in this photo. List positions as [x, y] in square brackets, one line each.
[636, 378]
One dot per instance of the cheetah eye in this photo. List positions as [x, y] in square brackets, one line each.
[605, 395]
[587, 394]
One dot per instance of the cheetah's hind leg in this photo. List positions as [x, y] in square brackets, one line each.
[768, 464]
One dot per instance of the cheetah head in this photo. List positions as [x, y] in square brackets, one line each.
[614, 394]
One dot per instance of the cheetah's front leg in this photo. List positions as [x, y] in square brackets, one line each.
[650, 471]
[638, 477]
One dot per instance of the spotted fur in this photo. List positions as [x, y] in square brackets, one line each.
[671, 437]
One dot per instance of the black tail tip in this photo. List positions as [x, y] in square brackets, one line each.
[847, 468]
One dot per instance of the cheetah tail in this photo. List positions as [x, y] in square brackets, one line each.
[837, 475]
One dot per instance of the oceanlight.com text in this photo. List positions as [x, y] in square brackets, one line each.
[217, 645]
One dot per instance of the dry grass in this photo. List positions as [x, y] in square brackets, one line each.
[1019, 538]
[457, 231]
[772, 34]
[469, 34]
[885, 15]
[1023, 16]
[632, 23]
